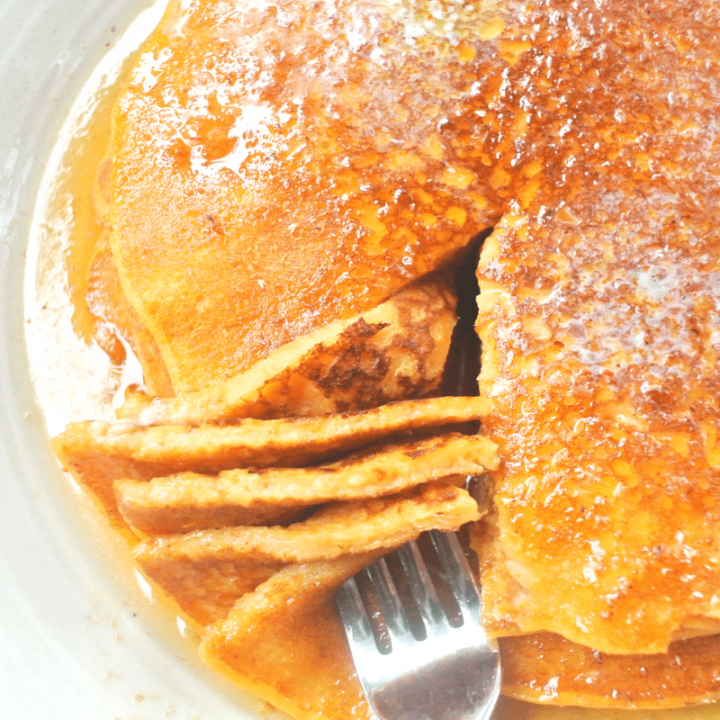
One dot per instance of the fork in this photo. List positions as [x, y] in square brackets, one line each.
[416, 638]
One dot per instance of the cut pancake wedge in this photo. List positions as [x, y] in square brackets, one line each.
[190, 501]
[284, 643]
[206, 571]
[98, 453]
[395, 351]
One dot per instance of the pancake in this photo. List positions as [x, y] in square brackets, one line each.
[98, 453]
[395, 351]
[206, 571]
[191, 501]
[599, 311]
[284, 643]
[256, 198]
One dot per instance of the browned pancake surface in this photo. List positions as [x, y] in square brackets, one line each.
[282, 165]
[394, 351]
[284, 642]
[600, 318]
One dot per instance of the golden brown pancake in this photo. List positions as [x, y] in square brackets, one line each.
[98, 453]
[205, 572]
[191, 501]
[284, 643]
[276, 168]
[395, 351]
[599, 316]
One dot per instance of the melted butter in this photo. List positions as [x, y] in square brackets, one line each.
[453, 23]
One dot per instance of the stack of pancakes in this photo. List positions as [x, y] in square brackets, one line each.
[291, 186]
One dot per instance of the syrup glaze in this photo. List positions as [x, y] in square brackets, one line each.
[279, 165]
[600, 318]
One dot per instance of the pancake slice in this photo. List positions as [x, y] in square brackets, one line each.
[396, 351]
[98, 453]
[606, 505]
[190, 501]
[284, 643]
[599, 311]
[206, 571]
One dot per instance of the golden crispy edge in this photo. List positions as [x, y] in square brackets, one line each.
[206, 571]
[547, 668]
[106, 298]
[97, 454]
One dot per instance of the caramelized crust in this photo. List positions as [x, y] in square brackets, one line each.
[257, 197]
[599, 316]
[395, 351]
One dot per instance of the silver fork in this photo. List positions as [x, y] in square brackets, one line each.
[429, 657]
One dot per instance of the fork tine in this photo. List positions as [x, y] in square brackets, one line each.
[453, 673]
[422, 588]
[391, 606]
[354, 616]
[457, 574]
